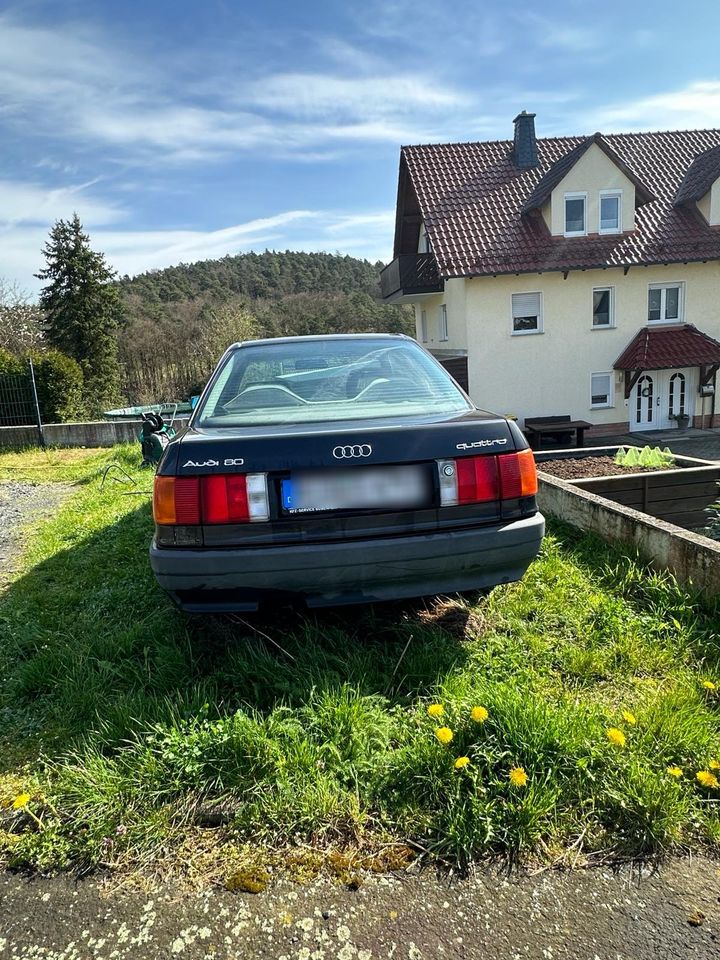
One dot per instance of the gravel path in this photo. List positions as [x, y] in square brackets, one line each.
[20, 503]
[585, 915]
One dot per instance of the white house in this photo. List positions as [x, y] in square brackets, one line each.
[568, 275]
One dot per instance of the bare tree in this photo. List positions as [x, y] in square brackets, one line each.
[20, 320]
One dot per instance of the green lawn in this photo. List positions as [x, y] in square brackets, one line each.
[140, 735]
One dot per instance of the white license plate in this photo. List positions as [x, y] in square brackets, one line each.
[367, 488]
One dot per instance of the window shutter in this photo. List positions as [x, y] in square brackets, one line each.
[525, 305]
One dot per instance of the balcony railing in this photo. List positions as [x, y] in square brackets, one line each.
[410, 274]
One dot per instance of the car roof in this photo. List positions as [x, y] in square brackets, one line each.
[323, 337]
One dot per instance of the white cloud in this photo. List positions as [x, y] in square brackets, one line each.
[326, 95]
[694, 106]
[25, 202]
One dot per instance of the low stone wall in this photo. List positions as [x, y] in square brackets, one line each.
[97, 433]
[693, 559]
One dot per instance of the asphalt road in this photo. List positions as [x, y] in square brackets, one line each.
[593, 914]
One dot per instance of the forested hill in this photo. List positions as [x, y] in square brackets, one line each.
[256, 276]
[178, 321]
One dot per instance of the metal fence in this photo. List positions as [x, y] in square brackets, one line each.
[19, 406]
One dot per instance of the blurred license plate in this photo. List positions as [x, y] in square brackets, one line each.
[367, 488]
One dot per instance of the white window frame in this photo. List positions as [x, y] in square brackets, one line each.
[443, 322]
[604, 194]
[602, 326]
[423, 326]
[575, 196]
[663, 287]
[610, 393]
[527, 333]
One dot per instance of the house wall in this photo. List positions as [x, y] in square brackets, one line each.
[709, 205]
[593, 172]
[548, 374]
[454, 298]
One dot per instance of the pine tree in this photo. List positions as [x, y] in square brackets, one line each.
[82, 309]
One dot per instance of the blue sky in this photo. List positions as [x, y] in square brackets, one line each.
[181, 130]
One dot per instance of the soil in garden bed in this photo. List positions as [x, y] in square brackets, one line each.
[576, 467]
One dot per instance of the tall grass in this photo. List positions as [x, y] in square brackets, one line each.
[132, 727]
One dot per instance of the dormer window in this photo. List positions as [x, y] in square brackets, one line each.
[610, 211]
[575, 214]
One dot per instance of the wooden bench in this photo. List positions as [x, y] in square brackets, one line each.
[538, 427]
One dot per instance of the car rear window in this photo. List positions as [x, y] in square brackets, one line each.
[308, 381]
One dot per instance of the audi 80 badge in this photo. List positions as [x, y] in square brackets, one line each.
[339, 469]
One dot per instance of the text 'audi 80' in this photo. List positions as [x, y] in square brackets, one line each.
[335, 470]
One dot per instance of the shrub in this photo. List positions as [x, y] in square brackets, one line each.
[58, 378]
[59, 381]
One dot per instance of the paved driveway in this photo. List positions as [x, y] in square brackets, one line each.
[594, 914]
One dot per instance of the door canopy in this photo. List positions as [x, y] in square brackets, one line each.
[669, 348]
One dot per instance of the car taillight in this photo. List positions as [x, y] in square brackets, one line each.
[508, 476]
[218, 498]
[518, 476]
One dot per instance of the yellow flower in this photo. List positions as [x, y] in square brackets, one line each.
[616, 737]
[709, 685]
[435, 710]
[629, 718]
[21, 800]
[674, 771]
[444, 735]
[518, 777]
[479, 714]
[461, 762]
[706, 779]
[714, 765]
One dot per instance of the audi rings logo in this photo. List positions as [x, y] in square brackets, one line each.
[350, 453]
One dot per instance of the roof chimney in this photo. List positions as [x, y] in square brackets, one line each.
[525, 147]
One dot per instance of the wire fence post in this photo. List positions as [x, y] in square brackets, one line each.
[38, 418]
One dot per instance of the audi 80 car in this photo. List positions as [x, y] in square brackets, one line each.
[335, 470]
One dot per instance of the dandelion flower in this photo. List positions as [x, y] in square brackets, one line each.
[518, 777]
[461, 762]
[674, 772]
[444, 735]
[616, 737]
[435, 710]
[21, 800]
[709, 685]
[706, 779]
[714, 765]
[479, 714]
[629, 718]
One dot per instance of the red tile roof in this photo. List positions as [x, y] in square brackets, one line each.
[662, 348]
[471, 197]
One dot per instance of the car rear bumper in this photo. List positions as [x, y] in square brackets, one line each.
[356, 571]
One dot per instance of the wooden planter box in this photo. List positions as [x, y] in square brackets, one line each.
[679, 496]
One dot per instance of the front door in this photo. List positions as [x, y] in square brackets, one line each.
[659, 394]
[643, 415]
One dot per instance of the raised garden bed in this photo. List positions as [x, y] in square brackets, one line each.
[679, 494]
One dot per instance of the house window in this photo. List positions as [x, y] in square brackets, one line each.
[527, 313]
[665, 302]
[442, 323]
[601, 390]
[575, 214]
[423, 326]
[603, 314]
[610, 211]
